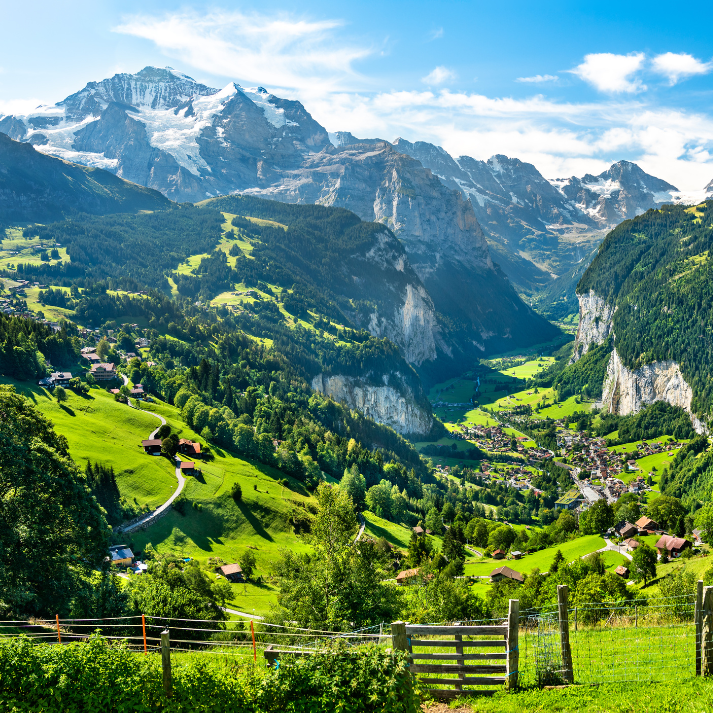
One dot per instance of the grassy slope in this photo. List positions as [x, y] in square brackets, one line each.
[542, 559]
[102, 430]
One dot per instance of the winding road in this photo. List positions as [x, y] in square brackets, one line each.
[179, 476]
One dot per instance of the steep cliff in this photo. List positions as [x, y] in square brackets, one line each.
[595, 323]
[394, 407]
[627, 391]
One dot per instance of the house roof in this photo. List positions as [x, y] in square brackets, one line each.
[187, 465]
[151, 442]
[498, 552]
[622, 571]
[186, 442]
[671, 543]
[407, 574]
[418, 530]
[231, 569]
[104, 366]
[121, 554]
[509, 573]
[632, 543]
[645, 522]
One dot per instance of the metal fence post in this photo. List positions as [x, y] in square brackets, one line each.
[562, 606]
[166, 662]
[513, 644]
[697, 618]
[707, 632]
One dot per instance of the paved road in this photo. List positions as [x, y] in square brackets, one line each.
[181, 480]
[242, 613]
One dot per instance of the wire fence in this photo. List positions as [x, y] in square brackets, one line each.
[642, 640]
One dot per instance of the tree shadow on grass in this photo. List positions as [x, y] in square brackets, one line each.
[256, 524]
[379, 531]
[67, 410]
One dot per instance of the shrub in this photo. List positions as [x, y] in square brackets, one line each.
[236, 492]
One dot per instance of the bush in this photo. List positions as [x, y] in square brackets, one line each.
[236, 492]
[95, 675]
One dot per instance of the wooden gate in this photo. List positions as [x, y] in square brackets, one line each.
[500, 646]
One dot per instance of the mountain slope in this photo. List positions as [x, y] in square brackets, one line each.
[37, 187]
[650, 288]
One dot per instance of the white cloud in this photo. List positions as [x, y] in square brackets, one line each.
[679, 66]
[267, 49]
[436, 34]
[439, 75]
[18, 106]
[612, 73]
[538, 78]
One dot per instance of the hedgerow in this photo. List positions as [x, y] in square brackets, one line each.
[97, 675]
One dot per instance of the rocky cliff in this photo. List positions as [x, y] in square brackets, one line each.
[384, 403]
[595, 323]
[628, 391]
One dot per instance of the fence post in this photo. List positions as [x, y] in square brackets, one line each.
[166, 662]
[399, 640]
[575, 618]
[143, 626]
[562, 606]
[707, 632]
[59, 636]
[252, 631]
[697, 616]
[513, 644]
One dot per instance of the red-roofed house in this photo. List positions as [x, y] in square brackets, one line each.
[673, 546]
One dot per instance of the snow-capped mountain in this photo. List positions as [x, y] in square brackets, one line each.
[161, 129]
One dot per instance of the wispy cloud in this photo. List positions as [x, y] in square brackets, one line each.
[281, 51]
[680, 66]
[538, 79]
[436, 34]
[612, 73]
[18, 106]
[439, 75]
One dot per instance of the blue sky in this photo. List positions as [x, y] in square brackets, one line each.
[568, 87]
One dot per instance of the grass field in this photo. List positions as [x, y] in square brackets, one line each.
[104, 431]
[540, 560]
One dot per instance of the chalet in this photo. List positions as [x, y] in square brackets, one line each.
[646, 524]
[506, 573]
[516, 555]
[407, 576]
[232, 572]
[189, 448]
[498, 554]
[60, 378]
[697, 537]
[152, 446]
[632, 544]
[625, 530]
[92, 358]
[418, 530]
[622, 571]
[673, 546]
[137, 391]
[187, 467]
[121, 555]
[104, 371]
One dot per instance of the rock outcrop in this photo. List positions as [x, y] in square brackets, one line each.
[628, 391]
[393, 407]
[595, 323]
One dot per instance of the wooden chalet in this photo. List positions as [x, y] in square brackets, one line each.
[625, 530]
[187, 467]
[499, 554]
[506, 573]
[622, 571]
[189, 448]
[647, 525]
[232, 572]
[152, 446]
[673, 546]
[407, 576]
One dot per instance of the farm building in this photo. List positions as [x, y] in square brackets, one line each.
[407, 576]
[232, 572]
[626, 530]
[622, 571]
[632, 544]
[516, 555]
[418, 530]
[187, 467]
[647, 524]
[498, 554]
[189, 448]
[673, 546]
[506, 573]
[152, 446]
[121, 555]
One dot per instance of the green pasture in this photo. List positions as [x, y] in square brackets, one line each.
[541, 560]
[102, 430]
[565, 408]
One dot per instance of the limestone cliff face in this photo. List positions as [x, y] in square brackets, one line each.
[595, 323]
[385, 404]
[628, 391]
